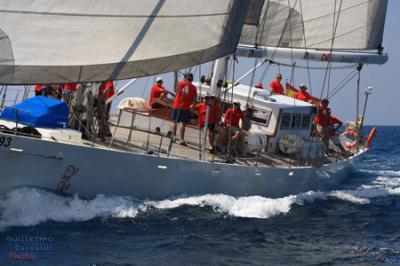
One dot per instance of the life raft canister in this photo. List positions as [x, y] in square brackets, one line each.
[371, 136]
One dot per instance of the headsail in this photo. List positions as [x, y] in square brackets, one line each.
[61, 41]
[350, 25]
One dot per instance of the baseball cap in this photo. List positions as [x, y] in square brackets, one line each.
[302, 85]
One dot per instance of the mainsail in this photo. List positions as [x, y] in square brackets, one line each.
[325, 25]
[62, 41]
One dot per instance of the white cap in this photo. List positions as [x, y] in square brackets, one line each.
[159, 79]
[302, 85]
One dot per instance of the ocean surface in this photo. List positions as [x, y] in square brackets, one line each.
[358, 224]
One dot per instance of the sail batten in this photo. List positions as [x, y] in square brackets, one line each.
[319, 24]
[92, 40]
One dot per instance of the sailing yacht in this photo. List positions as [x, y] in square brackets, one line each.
[81, 41]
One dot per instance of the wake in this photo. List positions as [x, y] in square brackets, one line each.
[31, 206]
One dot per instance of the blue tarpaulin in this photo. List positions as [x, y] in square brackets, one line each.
[38, 111]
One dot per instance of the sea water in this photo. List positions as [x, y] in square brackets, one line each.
[359, 223]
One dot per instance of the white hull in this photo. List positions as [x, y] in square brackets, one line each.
[42, 163]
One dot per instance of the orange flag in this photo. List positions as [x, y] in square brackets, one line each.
[290, 90]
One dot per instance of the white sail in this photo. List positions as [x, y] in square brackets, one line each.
[60, 41]
[319, 24]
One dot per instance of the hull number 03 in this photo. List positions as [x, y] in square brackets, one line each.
[5, 141]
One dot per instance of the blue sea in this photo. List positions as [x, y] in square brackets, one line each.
[357, 224]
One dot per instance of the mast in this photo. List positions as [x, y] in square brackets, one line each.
[218, 77]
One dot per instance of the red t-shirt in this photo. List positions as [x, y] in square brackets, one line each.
[185, 95]
[155, 92]
[70, 87]
[110, 92]
[276, 87]
[303, 96]
[233, 115]
[333, 120]
[38, 88]
[322, 117]
[201, 109]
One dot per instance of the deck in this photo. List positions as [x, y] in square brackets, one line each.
[158, 144]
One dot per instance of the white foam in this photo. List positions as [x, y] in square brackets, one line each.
[382, 172]
[30, 206]
[348, 196]
[363, 195]
[387, 182]
[250, 207]
[253, 206]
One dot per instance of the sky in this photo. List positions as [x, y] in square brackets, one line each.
[383, 104]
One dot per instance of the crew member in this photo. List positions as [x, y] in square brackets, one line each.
[39, 90]
[333, 120]
[106, 91]
[213, 118]
[303, 95]
[233, 116]
[276, 86]
[158, 91]
[70, 87]
[68, 90]
[52, 91]
[322, 121]
[186, 94]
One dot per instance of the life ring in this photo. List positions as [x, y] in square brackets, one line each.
[371, 136]
[351, 133]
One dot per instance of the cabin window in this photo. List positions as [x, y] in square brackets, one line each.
[285, 121]
[296, 121]
[306, 121]
[260, 116]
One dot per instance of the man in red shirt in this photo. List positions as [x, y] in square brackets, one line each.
[213, 119]
[39, 89]
[276, 86]
[324, 122]
[106, 91]
[303, 95]
[186, 94]
[68, 89]
[333, 120]
[233, 116]
[158, 91]
[71, 87]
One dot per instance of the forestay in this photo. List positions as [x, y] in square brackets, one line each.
[62, 41]
[352, 24]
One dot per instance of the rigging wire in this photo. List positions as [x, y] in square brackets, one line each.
[329, 64]
[291, 39]
[263, 76]
[342, 83]
[251, 82]
[305, 47]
